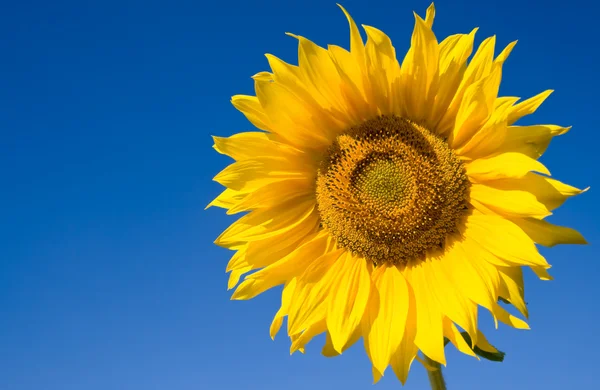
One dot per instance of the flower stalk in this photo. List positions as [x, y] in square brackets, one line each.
[436, 378]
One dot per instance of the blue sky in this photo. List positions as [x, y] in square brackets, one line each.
[108, 275]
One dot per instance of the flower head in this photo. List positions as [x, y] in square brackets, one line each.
[391, 200]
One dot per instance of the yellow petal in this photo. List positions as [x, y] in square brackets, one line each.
[381, 42]
[527, 107]
[354, 86]
[452, 302]
[493, 232]
[479, 68]
[356, 43]
[309, 303]
[505, 53]
[349, 297]
[509, 319]
[238, 260]
[493, 133]
[248, 175]
[515, 202]
[287, 75]
[430, 15]
[454, 52]
[385, 317]
[234, 276]
[481, 64]
[263, 76]
[487, 138]
[503, 104]
[484, 269]
[468, 279]
[541, 272]
[430, 335]
[376, 375]
[273, 194]
[318, 73]
[227, 199]
[419, 71]
[299, 343]
[329, 351]
[249, 145]
[547, 234]
[286, 298]
[529, 140]
[383, 71]
[453, 334]
[550, 192]
[292, 78]
[252, 109]
[290, 266]
[296, 80]
[321, 73]
[358, 74]
[405, 354]
[276, 324]
[261, 224]
[476, 107]
[502, 166]
[484, 344]
[290, 117]
[264, 252]
[512, 287]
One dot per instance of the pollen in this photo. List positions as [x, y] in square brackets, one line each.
[389, 190]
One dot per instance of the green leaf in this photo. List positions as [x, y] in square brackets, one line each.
[493, 356]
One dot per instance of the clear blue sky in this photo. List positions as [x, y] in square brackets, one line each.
[108, 275]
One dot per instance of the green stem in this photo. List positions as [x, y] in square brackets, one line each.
[436, 379]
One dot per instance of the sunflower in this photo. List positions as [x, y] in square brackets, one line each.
[389, 199]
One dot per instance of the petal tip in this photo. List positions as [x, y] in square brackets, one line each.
[289, 34]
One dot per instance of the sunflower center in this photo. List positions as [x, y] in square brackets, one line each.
[389, 190]
[379, 180]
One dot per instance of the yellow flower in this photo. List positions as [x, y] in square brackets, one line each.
[391, 200]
